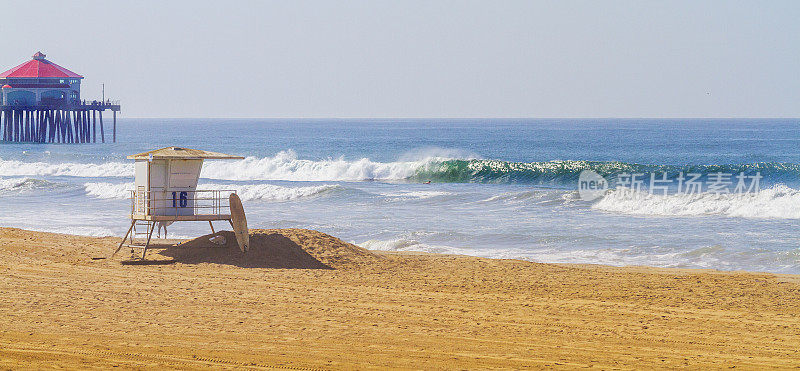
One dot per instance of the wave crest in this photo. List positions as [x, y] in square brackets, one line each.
[16, 185]
[567, 172]
[436, 166]
[108, 169]
[286, 166]
[106, 190]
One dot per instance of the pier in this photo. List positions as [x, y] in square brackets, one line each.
[40, 103]
[73, 123]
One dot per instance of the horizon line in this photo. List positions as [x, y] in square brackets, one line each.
[465, 118]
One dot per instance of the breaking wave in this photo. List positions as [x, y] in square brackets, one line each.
[286, 166]
[776, 202]
[428, 166]
[567, 172]
[108, 190]
[108, 169]
[18, 185]
[402, 244]
[265, 192]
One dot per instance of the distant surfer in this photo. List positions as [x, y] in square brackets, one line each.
[428, 182]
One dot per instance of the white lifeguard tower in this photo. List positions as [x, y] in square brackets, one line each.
[166, 191]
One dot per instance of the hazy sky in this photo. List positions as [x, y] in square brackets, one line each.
[421, 58]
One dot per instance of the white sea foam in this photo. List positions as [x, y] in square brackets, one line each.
[12, 184]
[285, 165]
[108, 169]
[780, 202]
[74, 230]
[108, 190]
[402, 244]
[92, 231]
[514, 196]
[410, 195]
[608, 256]
[407, 244]
[269, 192]
[265, 192]
[15, 185]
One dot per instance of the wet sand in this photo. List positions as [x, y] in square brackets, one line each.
[303, 299]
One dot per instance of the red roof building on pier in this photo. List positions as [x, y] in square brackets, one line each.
[39, 67]
[40, 102]
[39, 82]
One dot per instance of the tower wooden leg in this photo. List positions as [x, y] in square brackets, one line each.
[149, 236]
[212, 227]
[133, 222]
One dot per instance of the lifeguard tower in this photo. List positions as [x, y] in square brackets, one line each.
[166, 191]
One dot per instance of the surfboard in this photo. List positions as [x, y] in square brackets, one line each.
[239, 222]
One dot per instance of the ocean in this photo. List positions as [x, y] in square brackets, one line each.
[499, 188]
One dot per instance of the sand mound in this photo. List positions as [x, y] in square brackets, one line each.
[274, 248]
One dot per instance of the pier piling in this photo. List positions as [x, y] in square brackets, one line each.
[66, 124]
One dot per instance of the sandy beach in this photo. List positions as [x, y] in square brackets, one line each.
[302, 299]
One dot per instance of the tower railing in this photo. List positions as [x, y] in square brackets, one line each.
[177, 203]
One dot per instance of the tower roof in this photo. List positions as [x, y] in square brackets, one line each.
[179, 153]
[39, 67]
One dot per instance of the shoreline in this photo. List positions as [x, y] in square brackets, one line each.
[627, 268]
[348, 307]
[788, 276]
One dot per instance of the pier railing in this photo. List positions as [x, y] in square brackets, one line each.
[113, 105]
